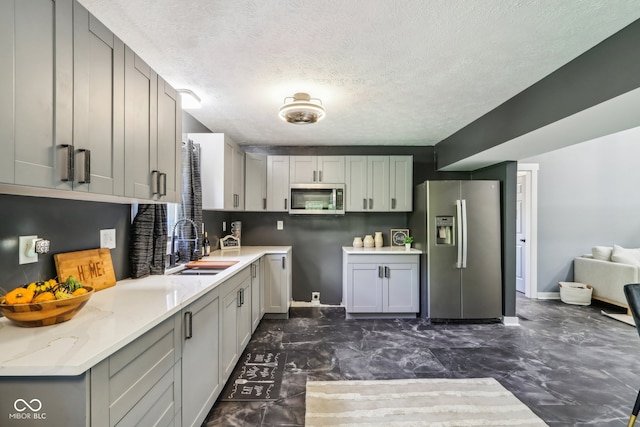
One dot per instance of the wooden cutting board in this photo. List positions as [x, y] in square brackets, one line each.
[92, 267]
[211, 264]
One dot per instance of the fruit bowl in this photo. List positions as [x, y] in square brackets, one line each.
[45, 313]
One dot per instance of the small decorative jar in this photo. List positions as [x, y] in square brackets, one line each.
[357, 242]
[378, 239]
[368, 241]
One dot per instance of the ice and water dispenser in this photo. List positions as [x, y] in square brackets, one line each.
[444, 230]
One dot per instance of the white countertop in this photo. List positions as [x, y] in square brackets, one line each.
[111, 319]
[386, 250]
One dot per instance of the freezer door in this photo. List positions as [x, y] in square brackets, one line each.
[482, 277]
[444, 297]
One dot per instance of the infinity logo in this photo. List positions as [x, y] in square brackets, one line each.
[21, 405]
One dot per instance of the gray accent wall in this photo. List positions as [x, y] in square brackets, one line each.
[587, 196]
[70, 225]
[506, 173]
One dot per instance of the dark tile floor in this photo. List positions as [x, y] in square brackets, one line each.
[571, 365]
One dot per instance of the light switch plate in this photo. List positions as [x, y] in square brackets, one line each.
[108, 238]
[25, 241]
[280, 225]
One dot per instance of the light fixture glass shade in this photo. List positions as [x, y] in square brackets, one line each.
[301, 109]
[189, 99]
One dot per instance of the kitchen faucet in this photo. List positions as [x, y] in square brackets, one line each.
[196, 250]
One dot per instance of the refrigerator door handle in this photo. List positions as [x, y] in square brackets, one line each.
[459, 233]
[464, 233]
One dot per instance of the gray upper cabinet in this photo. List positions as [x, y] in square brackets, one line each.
[401, 183]
[7, 37]
[316, 169]
[277, 183]
[169, 171]
[379, 183]
[80, 111]
[98, 125]
[140, 127]
[255, 189]
[41, 38]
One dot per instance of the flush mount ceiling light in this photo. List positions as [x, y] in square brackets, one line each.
[189, 99]
[301, 109]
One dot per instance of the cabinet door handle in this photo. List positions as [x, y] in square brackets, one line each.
[253, 271]
[284, 263]
[364, 204]
[188, 325]
[370, 203]
[84, 167]
[238, 298]
[314, 176]
[386, 272]
[285, 204]
[162, 183]
[320, 176]
[155, 182]
[65, 160]
[393, 203]
[264, 203]
[380, 271]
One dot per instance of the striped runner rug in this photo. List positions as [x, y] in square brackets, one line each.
[415, 402]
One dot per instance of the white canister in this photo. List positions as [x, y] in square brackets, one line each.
[357, 242]
[378, 239]
[368, 241]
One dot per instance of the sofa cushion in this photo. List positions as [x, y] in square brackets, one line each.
[625, 256]
[602, 253]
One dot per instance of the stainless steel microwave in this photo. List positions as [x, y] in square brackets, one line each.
[316, 199]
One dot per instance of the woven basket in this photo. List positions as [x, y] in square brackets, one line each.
[575, 293]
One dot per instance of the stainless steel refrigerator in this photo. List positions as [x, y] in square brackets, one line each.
[457, 225]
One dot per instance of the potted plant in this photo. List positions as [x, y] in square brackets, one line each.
[408, 240]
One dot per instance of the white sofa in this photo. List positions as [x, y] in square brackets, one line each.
[607, 270]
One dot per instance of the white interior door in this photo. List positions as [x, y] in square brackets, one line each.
[521, 232]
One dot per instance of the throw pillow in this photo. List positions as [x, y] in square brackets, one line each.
[602, 252]
[625, 256]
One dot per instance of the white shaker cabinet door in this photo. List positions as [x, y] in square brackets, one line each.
[255, 189]
[278, 183]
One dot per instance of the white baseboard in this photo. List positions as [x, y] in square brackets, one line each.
[548, 295]
[311, 304]
[510, 321]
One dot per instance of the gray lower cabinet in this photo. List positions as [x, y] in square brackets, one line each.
[141, 383]
[257, 294]
[384, 285]
[277, 285]
[235, 320]
[200, 358]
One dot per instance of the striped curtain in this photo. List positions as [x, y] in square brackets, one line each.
[148, 243]
[191, 202]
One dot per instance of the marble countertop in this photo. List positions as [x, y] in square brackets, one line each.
[386, 250]
[112, 318]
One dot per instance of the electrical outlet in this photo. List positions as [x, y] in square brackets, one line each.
[25, 248]
[108, 238]
[280, 225]
[315, 298]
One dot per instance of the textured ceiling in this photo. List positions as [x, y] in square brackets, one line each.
[388, 72]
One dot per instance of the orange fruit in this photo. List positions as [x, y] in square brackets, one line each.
[19, 296]
[79, 291]
[45, 296]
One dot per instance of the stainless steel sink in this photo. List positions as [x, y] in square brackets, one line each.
[197, 272]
